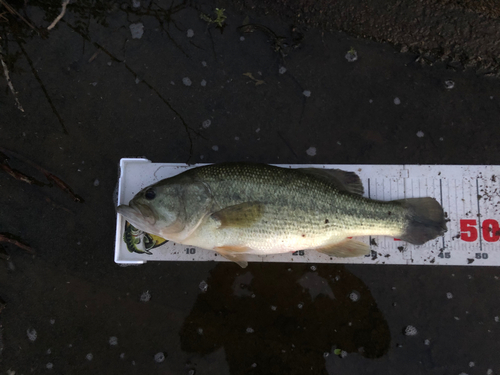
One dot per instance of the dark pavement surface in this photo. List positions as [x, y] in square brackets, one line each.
[92, 94]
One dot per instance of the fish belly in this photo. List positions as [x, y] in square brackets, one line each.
[273, 234]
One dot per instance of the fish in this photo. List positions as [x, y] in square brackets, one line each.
[237, 209]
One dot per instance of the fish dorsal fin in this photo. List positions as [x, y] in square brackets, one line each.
[239, 216]
[342, 180]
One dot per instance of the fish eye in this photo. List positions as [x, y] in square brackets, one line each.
[150, 194]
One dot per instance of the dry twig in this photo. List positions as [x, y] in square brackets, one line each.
[16, 13]
[61, 15]
[15, 242]
[9, 82]
[257, 81]
[16, 174]
[63, 186]
[51, 177]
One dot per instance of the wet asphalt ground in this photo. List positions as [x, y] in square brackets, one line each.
[112, 80]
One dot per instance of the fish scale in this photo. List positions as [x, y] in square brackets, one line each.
[296, 207]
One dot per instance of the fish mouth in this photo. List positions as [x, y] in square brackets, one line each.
[146, 212]
[139, 215]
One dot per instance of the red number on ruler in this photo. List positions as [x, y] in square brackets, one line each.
[468, 230]
[491, 230]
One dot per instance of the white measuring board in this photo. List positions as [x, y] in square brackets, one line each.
[470, 196]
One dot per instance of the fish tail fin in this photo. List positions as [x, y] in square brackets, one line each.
[426, 220]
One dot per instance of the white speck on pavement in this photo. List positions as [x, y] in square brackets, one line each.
[137, 30]
[311, 151]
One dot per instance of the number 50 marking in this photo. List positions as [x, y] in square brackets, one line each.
[469, 231]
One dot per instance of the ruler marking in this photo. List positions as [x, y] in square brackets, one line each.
[369, 197]
[405, 196]
[464, 211]
[479, 216]
[449, 204]
[441, 201]
[455, 212]
[404, 188]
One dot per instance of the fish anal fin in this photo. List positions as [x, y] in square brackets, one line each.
[234, 254]
[241, 215]
[342, 180]
[346, 249]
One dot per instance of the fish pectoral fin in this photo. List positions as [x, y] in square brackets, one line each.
[342, 180]
[241, 215]
[346, 249]
[234, 254]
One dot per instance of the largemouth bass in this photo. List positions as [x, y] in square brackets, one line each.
[244, 208]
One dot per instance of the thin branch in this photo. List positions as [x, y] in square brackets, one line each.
[23, 159]
[61, 15]
[16, 13]
[37, 77]
[9, 82]
[16, 174]
[63, 186]
[16, 243]
[287, 144]
[30, 180]
[51, 177]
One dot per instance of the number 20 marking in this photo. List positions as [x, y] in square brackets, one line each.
[469, 231]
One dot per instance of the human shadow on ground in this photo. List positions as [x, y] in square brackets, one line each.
[283, 318]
